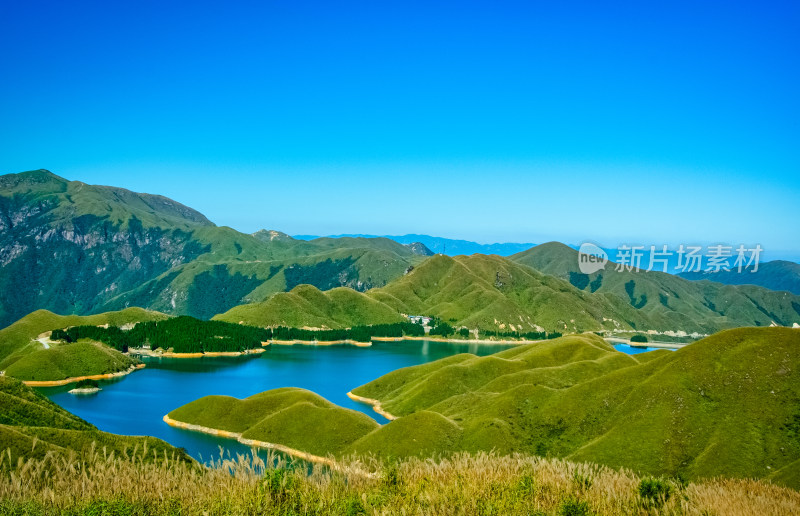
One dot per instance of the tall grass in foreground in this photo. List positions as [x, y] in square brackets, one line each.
[144, 483]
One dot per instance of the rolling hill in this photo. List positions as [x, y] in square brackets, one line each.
[492, 292]
[69, 247]
[25, 357]
[282, 416]
[487, 292]
[726, 405]
[307, 306]
[666, 301]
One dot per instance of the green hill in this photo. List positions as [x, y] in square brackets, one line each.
[492, 292]
[289, 416]
[774, 275]
[488, 292]
[726, 405]
[306, 305]
[23, 356]
[32, 426]
[69, 247]
[668, 302]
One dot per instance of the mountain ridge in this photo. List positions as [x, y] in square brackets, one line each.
[70, 247]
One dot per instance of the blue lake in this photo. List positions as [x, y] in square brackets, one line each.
[633, 350]
[135, 404]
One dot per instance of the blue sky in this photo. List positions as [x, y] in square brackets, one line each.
[489, 121]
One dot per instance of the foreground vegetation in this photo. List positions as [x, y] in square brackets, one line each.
[107, 483]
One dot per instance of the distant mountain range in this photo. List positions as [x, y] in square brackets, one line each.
[775, 275]
[440, 245]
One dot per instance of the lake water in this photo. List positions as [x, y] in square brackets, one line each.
[135, 404]
[634, 350]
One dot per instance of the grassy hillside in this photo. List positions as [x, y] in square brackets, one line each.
[31, 426]
[492, 292]
[306, 305]
[81, 358]
[24, 357]
[289, 416]
[775, 275]
[488, 292]
[725, 405]
[72, 200]
[668, 302]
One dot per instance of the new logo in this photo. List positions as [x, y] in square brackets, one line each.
[591, 258]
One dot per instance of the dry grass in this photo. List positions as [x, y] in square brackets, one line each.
[143, 483]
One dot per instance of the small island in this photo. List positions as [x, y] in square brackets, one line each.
[86, 387]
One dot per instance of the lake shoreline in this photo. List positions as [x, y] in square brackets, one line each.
[375, 404]
[395, 339]
[317, 342]
[66, 381]
[169, 354]
[249, 442]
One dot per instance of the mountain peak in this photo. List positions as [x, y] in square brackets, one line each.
[65, 200]
[546, 252]
[419, 248]
[268, 235]
[31, 180]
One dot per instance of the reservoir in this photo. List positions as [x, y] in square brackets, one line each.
[135, 404]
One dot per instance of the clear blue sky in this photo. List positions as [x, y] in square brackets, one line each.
[490, 121]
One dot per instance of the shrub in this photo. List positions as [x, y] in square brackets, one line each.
[87, 384]
[574, 507]
[354, 506]
[655, 490]
[639, 338]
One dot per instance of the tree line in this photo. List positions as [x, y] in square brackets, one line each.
[528, 335]
[186, 334]
[183, 334]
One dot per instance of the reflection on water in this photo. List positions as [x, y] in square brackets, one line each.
[135, 404]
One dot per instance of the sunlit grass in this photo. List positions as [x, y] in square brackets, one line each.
[144, 482]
